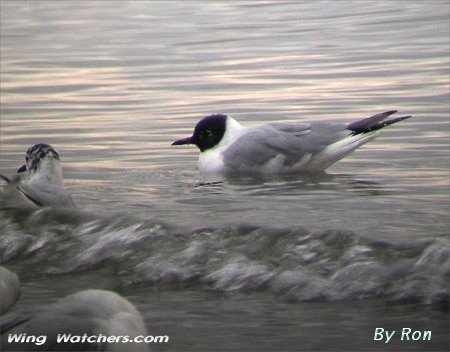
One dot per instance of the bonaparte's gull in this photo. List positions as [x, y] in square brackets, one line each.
[89, 313]
[227, 146]
[40, 180]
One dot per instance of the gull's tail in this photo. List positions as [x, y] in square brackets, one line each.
[374, 123]
[362, 132]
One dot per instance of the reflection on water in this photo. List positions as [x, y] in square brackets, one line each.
[111, 84]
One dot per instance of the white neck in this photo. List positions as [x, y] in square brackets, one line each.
[233, 131]
[48, 171]
[210, 161]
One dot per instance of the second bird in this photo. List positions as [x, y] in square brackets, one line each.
[226, 146]
[39, 182]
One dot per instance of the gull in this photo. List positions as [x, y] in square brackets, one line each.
[96, 315]
[9, 289]
[39, 181]
[226, 146]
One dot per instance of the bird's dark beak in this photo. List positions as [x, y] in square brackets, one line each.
[22, 169]
[188, 140]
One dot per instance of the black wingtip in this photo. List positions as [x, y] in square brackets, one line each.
[388, 122]
[374, 123]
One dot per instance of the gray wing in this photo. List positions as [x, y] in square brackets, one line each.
[41, 194]
[46, 195]
[284, 144]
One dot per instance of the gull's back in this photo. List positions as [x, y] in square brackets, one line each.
[281, 148]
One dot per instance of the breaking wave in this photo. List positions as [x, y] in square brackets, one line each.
[293, 264]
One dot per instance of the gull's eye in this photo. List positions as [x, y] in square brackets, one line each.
[208, 133]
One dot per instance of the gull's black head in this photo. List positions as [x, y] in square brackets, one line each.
[207, 133]
[35, 154]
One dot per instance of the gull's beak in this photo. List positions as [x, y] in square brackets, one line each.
[22, 169]
[188, 140]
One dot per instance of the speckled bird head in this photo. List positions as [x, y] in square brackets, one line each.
[35, 154]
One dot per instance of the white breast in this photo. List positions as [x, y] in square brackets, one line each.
[210, 161]
[49, 172]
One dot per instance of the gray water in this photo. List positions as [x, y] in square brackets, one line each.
[243, 264]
